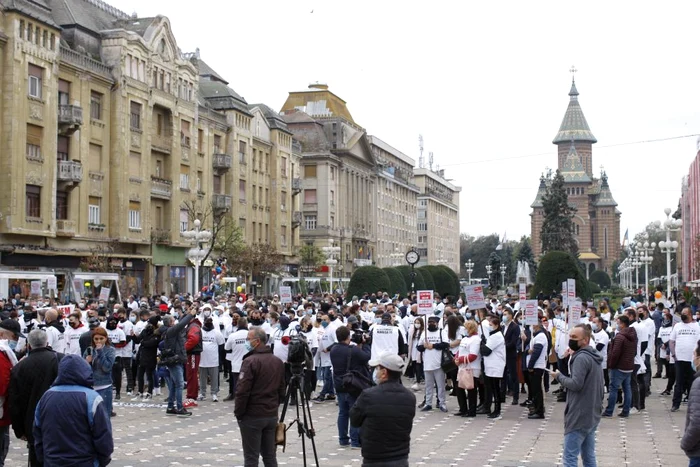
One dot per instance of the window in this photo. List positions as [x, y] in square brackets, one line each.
[63, 92]
[217, 184]
[255, 159]
[33, 206]
[135, 165]
[309, 196]
[185, 133]
[242, 152]
[199, 180]
[184, 177]
[332, 222]
[267, 233]
[283, 236]
[184, 220]
[200, 140]
[135, 119]
[34, 137]
[95, 157]
[310, 222]
[36, 76]
[332, 173]
[217, 144]
[95, 105]
[422, 226]
[94, 210]
[332, 198]
[62, 145]
[21, 29]
[134, 215]
[421, 214]
[241, 225]
[241, 190]
[283, 166]
[61, 205]
[310, 171]
[283, 201]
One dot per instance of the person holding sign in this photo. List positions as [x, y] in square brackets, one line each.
[435, 341]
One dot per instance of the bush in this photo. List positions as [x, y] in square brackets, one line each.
[601, 278]
[443, 282]
[594, 288]
[368, 279]
[418, 281]
[556, 267]
[456, 286]
[427, 278]
[398, 284]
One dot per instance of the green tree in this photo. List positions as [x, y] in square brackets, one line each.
[555, 268]
[601, 278]
[427, 278]
[398, 284]
[558, 226]
[477, 249]
[418, 281]
[495, 277]
[367, 279]
[311, 257]
[525, 254]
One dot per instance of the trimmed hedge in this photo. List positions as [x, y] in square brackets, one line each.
[368, 279]
[601, 278]
[398, 285]
[427, 277]
[418, 282]
[556, 267]
[456, 287]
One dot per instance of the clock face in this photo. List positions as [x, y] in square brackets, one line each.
[412, 257]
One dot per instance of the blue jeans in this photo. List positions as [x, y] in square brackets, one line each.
[579, 441]
[345, 402]
[326, 375]
[174, 381]
[694, 462]
[618, 378]
[106, 395]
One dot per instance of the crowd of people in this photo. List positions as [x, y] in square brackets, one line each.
[485, 358]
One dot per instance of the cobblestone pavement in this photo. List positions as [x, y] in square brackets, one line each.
[145, 435]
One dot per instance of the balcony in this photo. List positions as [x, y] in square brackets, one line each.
[70, 173]
[161, 188]
[296, 218]
[160, 236]
[162, 142]
[296, 185]
[70, 118]
[65, 228]
[221, 202]
[222, 162]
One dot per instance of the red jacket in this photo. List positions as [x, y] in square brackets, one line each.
[5, 370]
[193, 344]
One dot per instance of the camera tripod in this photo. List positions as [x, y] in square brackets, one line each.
[305, 426]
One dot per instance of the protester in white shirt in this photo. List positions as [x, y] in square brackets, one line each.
[326, 338]
[639, 367]
[280, 339]
[469, 357]
[72, 334]
[536, 362]
[118, 339]
[235, 351]
[602, 340]
[683, 340]
[209, 360]
[493, 352]
[435, 341]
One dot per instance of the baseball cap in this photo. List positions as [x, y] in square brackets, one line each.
[352, 319]
[12, 326]
[388, 360]
[93, 323]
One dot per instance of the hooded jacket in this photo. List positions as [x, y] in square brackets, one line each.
[80, 433]
[584, 390]
[174, 337]
[622, 350]
[689, 442]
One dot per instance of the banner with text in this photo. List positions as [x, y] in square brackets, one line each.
[425, 302]
[285, 294]
[530, 312]
[475, 296]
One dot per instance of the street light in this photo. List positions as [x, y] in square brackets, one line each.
[668, 246]
[330, 252]
[470, 267]
[489, 269]
[635, 264]
[648, 250]
[197, 254]
[503, 276]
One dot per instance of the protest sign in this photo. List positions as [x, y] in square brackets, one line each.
[36, 287]
[530, 312]
[104, 293]
[522, 295]
[425, 302]
[51, 283]
[574, 313]
[475, 296]
[285, 294]
[65, 310]
[570, 291]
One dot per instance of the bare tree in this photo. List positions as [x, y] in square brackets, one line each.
[226, 237]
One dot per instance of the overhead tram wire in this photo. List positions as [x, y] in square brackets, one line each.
[549, 153]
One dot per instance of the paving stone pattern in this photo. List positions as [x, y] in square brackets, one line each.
[143, 434]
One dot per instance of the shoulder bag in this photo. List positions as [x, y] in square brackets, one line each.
[354, 381]
[447, 360]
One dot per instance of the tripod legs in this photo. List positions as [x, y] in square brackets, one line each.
[305, 426]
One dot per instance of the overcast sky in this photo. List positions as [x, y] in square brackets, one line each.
[485, 83]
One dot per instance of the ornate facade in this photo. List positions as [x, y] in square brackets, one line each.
[597, 219]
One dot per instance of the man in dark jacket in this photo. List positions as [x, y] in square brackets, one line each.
[67, 436]
[385, 415]
[174, 349]
[259, 393]
[30, 379]
[345, 358]
[584, 397]
[512, 338]
[621, 354]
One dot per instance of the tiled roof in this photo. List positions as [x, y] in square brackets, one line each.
[221, 97]
[274, 119]
[540, 193]
[206, 70]
[605, 198]
[574, 125]
[94, 15]
[37, 9]
[573, 170]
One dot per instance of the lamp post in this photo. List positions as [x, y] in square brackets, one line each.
[648, 250]
[470, 267]
[635, 264]
[197, 254]
[668, 246]
[503, 276]
[330, 252]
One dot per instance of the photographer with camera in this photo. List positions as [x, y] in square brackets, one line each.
[173, 356]
[348, 359]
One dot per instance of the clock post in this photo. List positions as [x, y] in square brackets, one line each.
[412, 257]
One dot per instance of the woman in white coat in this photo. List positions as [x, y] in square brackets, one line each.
[493, 351]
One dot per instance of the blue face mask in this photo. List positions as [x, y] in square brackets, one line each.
[377, 320]
[324, 324]
[12, 344]
[468, 315]
[248, 346]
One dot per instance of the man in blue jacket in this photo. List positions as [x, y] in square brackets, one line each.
[80, 433]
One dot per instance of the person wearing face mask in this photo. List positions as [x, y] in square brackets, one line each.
[209, 359]
[435, 340]
[536, 363]
[415, 337]
[72, 334]
[9, 333]
[125, 354]
[493, 351]
[55, 331]
[235, 347]
[118, 340]
[621, 356]
[690, 442]
[584, 400]
[665, 352]
[511, 334]
[326, 339]
[386, 337]
[682, 342]
[388, 403]
[602, 340]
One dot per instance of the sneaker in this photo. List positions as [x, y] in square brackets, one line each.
[443, 409]
[118, 397]
[606, 415]
[527, 403]
[128, 393]
[189, 403]
[156, 391]
[183, 412]
[113, 414]
[415, 387]
[665, 393]
[634, 411]
[171, 411]
[147, 397]
[330, 397]
[137, 397]
[421, 405]
[315, 399]
[495, 416]
[355, 447]
[674, 409]
[214, 398]
[230, 397]
[536, 416]
[623, 415]
[201, 397]
[427, 408]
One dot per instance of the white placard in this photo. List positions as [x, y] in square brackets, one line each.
[530, 311]
[65, 310]
[285, 294]
[475, 296]
[564, 297]
[425, 302]
[522, 292]
[104, 293]
[51, 283]
[574, 313]
[570, 291]
[36, 287]
[79, 287]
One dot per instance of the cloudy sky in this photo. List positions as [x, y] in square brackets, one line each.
[485, 83]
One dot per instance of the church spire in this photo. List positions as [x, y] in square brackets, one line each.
[574, 125]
